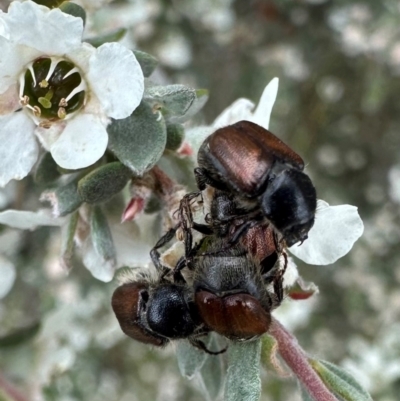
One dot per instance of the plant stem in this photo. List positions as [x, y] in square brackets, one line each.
[11, 390]
[297, 360]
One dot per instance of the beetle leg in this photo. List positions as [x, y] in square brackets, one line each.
[200, 345]
[155, 255]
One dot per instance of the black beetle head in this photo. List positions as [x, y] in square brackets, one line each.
[290, 202]
[153, 314]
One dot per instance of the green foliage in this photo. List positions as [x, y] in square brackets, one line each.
[103, 183]
[68, 7]
[101, 235]
[175, 135]
[146, 61]
[243, 381]
[113, 36]
[139, 140]
[339, 381]
[46, 171]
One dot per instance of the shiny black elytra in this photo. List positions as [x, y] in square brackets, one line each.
[156, 312]
[265, 177]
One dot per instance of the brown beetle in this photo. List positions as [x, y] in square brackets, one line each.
[263, 178]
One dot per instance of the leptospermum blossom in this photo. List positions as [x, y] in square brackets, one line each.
[61, 90]
[336, 228]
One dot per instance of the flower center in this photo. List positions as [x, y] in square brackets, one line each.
[52, 89]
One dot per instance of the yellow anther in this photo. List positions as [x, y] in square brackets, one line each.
[24, 100]
[61, 113]
[63, 103]
[36, 111]
[43, 84]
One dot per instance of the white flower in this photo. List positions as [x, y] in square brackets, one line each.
[132, 240]
[336, 228]
[68, 90]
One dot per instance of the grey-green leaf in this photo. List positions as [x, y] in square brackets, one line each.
[68, 7]
[64, 199]
[101, 235]
[46, 170]
[147, 62]
[113, 36]
[211, 376]
[67, 241]
[175, 135]
[340, 382]
[20, 335]
[139, 140]
[243, 381]
[196, 106]
[172, 100]
[190, 359]
[104, 182]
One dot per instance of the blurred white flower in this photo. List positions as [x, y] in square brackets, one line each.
[336, 228]
[68, 90]
[132, 240]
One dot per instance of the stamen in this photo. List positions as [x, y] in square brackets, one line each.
[45, 124]
[78, 89]
[36, 111]
[30, 68]
[21, 86]
[43, 84]
[61, 113]
[63, 103]
[24, 100]
[70, 72]
[53, 66]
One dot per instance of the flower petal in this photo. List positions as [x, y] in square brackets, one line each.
[100, 268]
[8, 275]
[117, 80]
[9, 101]
[48, 136]
[239, 110]
[26, 220]
[19, 149]
[81, 144]
[50, 31]
[263, 112]
[13, 58]
[334, 233]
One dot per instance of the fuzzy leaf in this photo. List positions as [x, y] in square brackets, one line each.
[147, 62]
[104, 182]
[101, 236]
[197, 105]
[190, 359]
[139, 140]
[20, 335]
[269, 357]
[243, 381]
[46, 170]
[339, 381]
[175, 135]
[172, 100]
[67, 241]
[113, 36]
[49, 3]
[73, 9]
[210, 376]
[64, 199]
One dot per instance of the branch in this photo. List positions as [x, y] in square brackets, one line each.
[297, 360]
[11, 390]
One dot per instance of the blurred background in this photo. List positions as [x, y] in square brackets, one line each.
[338, 106]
